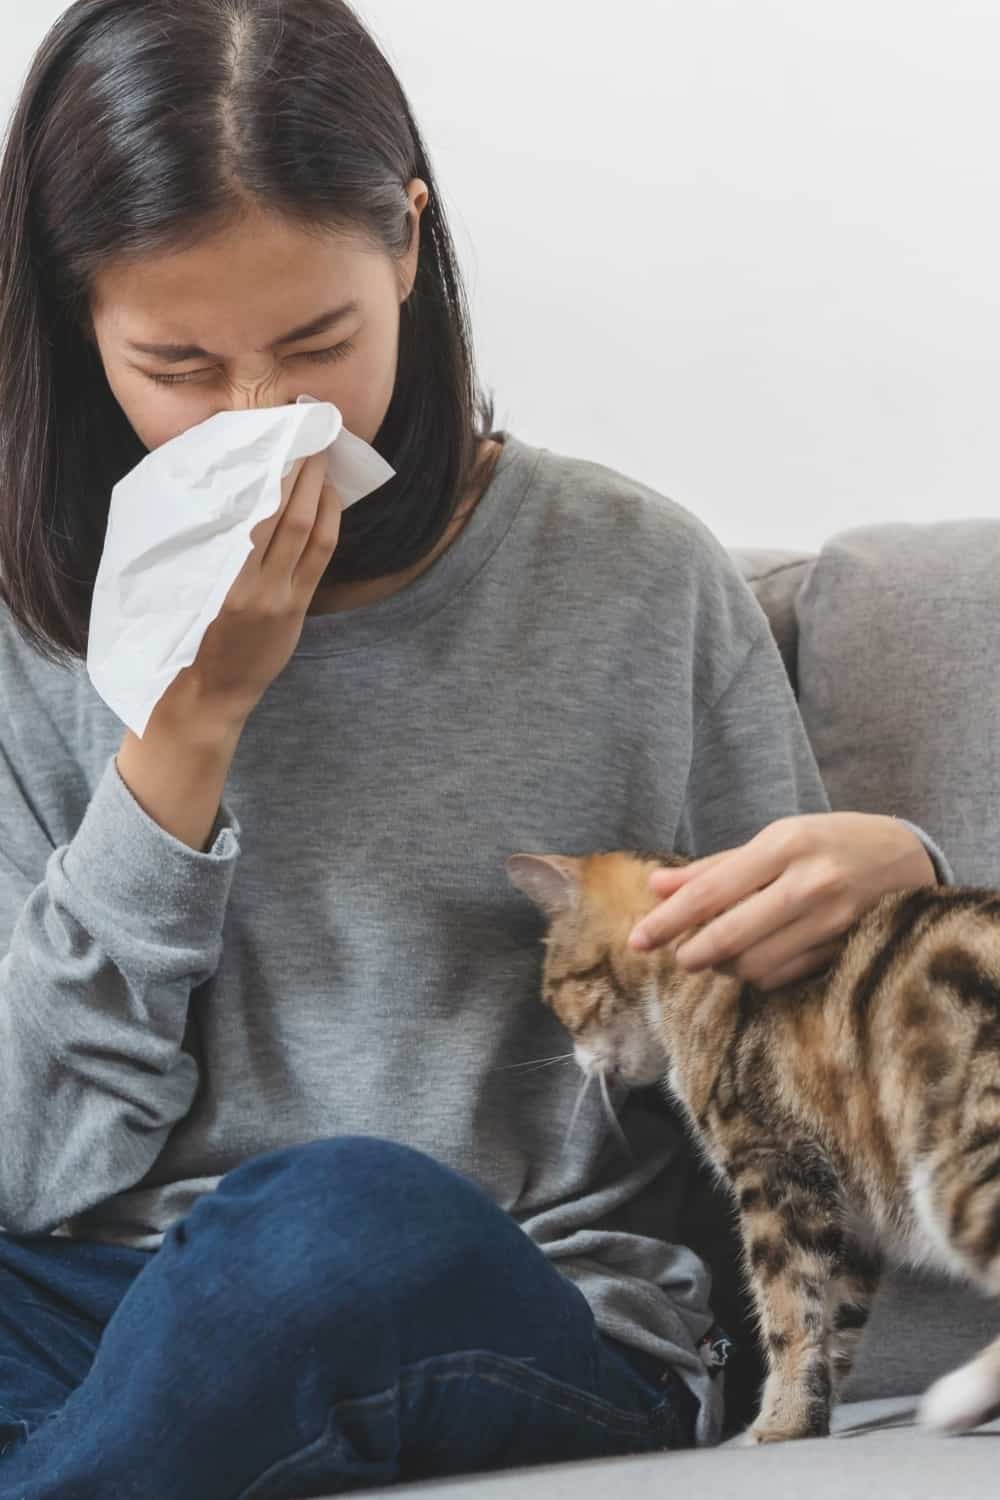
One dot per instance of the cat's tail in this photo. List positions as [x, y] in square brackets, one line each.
[967, 1397]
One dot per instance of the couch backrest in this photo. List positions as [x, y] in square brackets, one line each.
[891, 637]
[777, 578]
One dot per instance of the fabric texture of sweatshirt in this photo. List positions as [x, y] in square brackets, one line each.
[584, 669]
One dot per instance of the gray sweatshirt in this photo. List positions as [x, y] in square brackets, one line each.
[584, 669]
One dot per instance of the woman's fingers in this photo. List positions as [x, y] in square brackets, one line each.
[670, 878]
[720, 883]
[322, 543]
[295, 521]
[810, 962]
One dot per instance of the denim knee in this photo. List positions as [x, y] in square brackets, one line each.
[349, 1228]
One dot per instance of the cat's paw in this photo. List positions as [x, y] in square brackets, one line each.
[756, 1436]
[960, 1401]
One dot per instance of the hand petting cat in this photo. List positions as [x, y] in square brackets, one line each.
[769, 911]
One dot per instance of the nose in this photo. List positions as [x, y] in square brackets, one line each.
[263, 392]
[598, 1065]
[265, 403]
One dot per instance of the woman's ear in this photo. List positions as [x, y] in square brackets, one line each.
[419, 196]
[551, 880]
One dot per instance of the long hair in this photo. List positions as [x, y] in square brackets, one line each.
[148, 125]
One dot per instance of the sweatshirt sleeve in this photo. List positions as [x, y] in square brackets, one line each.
[103, 938]
[942, 868]
[752, 762]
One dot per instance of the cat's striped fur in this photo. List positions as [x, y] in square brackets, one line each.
[855, 1115]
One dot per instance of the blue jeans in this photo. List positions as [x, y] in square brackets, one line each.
[337, 1315]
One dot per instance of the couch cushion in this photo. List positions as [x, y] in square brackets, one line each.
[899, 654]
[875, 1451]
[921, 1327]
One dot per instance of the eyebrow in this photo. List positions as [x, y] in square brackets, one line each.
[175, 354]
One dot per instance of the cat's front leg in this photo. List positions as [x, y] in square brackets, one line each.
[849, 1304]
[792, 1219]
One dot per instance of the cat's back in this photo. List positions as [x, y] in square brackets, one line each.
[928, 957]
[872, 1052]
[908, 1023]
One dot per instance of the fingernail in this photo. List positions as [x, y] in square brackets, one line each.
[640, 940]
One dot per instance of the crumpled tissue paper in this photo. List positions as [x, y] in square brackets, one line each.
[179, 535]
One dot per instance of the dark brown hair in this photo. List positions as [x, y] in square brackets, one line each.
[147, 125]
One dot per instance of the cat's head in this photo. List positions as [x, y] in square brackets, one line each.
[602, 991]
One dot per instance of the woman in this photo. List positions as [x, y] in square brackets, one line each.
[284, 1214]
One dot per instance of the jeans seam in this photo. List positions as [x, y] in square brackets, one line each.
[605, 1416]
[55, 1312]
[10, 1419]
[468, 1363]
[592, 1409]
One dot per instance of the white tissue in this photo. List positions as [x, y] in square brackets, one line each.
[179, 535]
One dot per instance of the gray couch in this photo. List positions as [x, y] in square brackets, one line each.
[891, 639]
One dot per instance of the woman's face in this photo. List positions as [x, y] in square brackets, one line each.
[245, 299]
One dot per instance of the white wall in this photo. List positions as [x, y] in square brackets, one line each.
[746, 250]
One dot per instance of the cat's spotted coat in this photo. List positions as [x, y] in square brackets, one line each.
[855, 1115]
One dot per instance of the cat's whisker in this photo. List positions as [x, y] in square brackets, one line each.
[612, 1117]
[585, 1085]
[540, 1067]
[535, 1062]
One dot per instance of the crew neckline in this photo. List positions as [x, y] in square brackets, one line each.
[495, 513]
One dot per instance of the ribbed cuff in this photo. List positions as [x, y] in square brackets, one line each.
[943, 870]
[122, 862]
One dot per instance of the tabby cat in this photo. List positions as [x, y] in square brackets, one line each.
[853, 1115]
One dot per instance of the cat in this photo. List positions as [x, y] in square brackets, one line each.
[853, 1115]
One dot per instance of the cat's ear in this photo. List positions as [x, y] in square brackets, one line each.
[551, 880]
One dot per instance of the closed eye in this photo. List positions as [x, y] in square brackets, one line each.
[317, 356]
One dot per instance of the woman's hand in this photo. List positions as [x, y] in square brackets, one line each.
[260, 625]
[770, 910]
